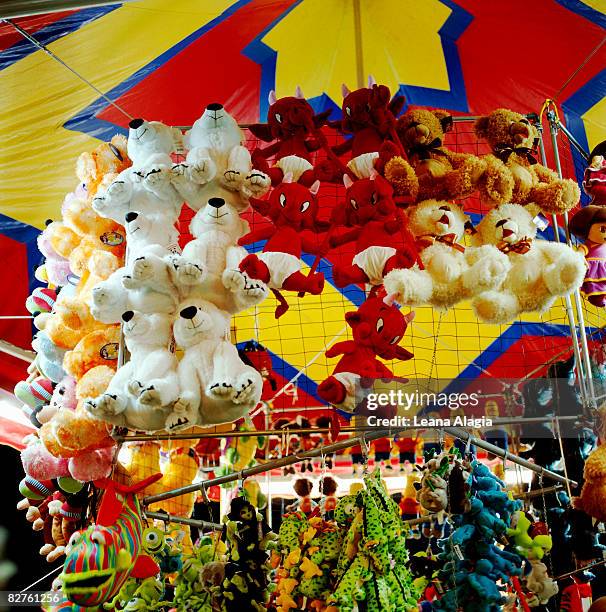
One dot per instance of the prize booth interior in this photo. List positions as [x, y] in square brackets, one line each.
[300, 345]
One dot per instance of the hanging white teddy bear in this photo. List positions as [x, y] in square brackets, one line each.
[452, 271]
[143, 391]
[540, 270]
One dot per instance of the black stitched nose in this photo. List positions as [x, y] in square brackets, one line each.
[127, 316]
[189, 312]
[214, 106]
[135, 123]
[216, 202]
[131, 216]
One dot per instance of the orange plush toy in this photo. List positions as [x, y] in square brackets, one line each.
[593, 493]
[442, 173]
[513, 138]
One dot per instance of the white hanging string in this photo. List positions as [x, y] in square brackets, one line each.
[46, 50]
[53, 571]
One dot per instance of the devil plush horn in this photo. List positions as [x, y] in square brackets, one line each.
[345, 90]
[299, 93]
[272, 97]
[409, 317]
[371, 81]
[347, 181]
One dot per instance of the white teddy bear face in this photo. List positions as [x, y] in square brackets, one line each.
[437, 218]
[216, 128]
[199, 320]
[147, 138]
[218, 213]
[508, 223]
[146, 327]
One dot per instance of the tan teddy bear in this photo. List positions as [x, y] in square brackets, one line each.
[593, 493]
[108, 158]
[513, 138]
[452, 271]
[540, 270]
[444, 174]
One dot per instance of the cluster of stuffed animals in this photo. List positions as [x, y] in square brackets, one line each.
[117, 258]
[492, 556]
[134, 332]
[354, 560]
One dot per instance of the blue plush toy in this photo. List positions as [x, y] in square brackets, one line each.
[484, 585]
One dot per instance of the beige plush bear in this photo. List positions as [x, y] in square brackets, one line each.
[443, 173]
[512, 138]
[540, 270]
[452, 271]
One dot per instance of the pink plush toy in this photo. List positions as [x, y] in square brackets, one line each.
[64, 396]
[57, 268]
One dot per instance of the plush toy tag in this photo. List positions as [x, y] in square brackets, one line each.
[458, 552]
[112, 238]
[438, 587]
[109, 351]
[541, 222]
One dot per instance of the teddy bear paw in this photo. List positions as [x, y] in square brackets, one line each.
[150, 397]
[110, 405]
[134, 387]
[100, 204]
[245, 389]
[156, 177]
[202, 171]
[118, 191]
[255, 184]
[232, 179]
[221, 389]
[183, 416]
[189, 273]
[142, 269]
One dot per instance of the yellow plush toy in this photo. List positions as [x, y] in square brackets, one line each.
[513, 138]
[69, 323]
[442, 173]
[593, 493]
[109, 158]
[179, 469]
[98, 348]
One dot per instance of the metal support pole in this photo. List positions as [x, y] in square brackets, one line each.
[337, 446]
[312, 430]
[171, 518]
[569, 312]
[553, 128]
[499, 452]
[574, 142]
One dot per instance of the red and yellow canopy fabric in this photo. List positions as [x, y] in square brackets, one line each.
[167, 59]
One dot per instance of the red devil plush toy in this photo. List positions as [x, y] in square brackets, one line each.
[292, 123]
[377, 327]
[293, 211]
[383, 241]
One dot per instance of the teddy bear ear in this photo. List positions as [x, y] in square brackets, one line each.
[481, 127]
[445, 119]
[271, 98]
[345, 90]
